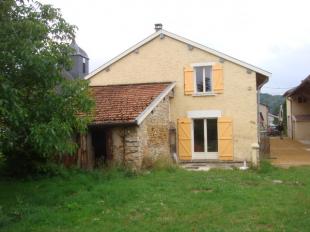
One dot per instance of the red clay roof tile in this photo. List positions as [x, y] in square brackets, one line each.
[123, 103]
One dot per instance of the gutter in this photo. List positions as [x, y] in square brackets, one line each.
[111, 123]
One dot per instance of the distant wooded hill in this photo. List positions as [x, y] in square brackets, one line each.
[272, 101]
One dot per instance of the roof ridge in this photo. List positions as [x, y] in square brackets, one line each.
[184, 40]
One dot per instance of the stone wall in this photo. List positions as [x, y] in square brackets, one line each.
[154, 131]
[125, 148]
[132, 144]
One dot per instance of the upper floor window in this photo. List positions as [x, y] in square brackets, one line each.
[203, 79]
[84, 65]
[301, 99]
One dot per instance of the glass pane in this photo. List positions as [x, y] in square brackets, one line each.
[199, 145]
[212, 135]
[208, 70]
[199, 79]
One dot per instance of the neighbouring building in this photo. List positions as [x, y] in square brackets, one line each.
[298, 111]
[168, 96]
[80, 63]
[273, 119]
[263, 117]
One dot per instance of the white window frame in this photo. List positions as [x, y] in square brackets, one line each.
[207, 64]
[205, 154]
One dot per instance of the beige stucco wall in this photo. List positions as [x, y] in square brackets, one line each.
[298, 130]
[301, 130]
[164, 59]
[289, 118]
[300, 108]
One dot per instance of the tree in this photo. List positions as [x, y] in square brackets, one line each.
[285, 117]
[40, 111]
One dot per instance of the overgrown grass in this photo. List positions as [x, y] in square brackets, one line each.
[161, 200]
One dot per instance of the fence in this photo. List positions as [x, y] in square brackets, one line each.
[264, 145]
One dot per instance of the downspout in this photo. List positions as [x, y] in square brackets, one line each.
[258, 103]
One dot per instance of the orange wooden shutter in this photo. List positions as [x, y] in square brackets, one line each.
[218, 79]
[184, 139]
[188, 81]
[225, 138]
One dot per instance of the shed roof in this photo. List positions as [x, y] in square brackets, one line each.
[128, 103]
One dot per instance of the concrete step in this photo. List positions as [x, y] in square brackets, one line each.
[206, 165]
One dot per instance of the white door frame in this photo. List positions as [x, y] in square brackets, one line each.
[203, 114]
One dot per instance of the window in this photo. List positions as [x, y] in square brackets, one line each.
[203, 79]
[205, 135]
[301, 99]
[84, 65]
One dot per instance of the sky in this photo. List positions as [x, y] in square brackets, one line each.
[271, 34]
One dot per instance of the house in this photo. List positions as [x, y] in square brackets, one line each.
[263, 116]
[298, 111]
[170, 96]
[273, 119]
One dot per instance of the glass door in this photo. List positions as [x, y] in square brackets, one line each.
[205, 138]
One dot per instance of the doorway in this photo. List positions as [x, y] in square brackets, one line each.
[101, 142]
[205, 138]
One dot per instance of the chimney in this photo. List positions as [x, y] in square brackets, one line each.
[158, 26]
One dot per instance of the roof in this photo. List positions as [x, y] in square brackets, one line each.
[292, 91]
[127, 104]
[67, 75]
[77, 50]
[184, 40]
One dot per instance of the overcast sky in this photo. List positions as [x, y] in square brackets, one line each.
[271, 34]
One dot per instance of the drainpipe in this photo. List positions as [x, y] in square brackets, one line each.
[258, 102]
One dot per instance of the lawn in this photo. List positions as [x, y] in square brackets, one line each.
[269, 199]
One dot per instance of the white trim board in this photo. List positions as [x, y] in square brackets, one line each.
[205, 154]
[204, 114]
[184, 40]
[202, 64]
[139, 119]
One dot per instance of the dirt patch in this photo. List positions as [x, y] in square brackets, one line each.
[287, 152]
[202, 190]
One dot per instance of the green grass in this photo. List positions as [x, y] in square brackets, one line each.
[162, 200]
